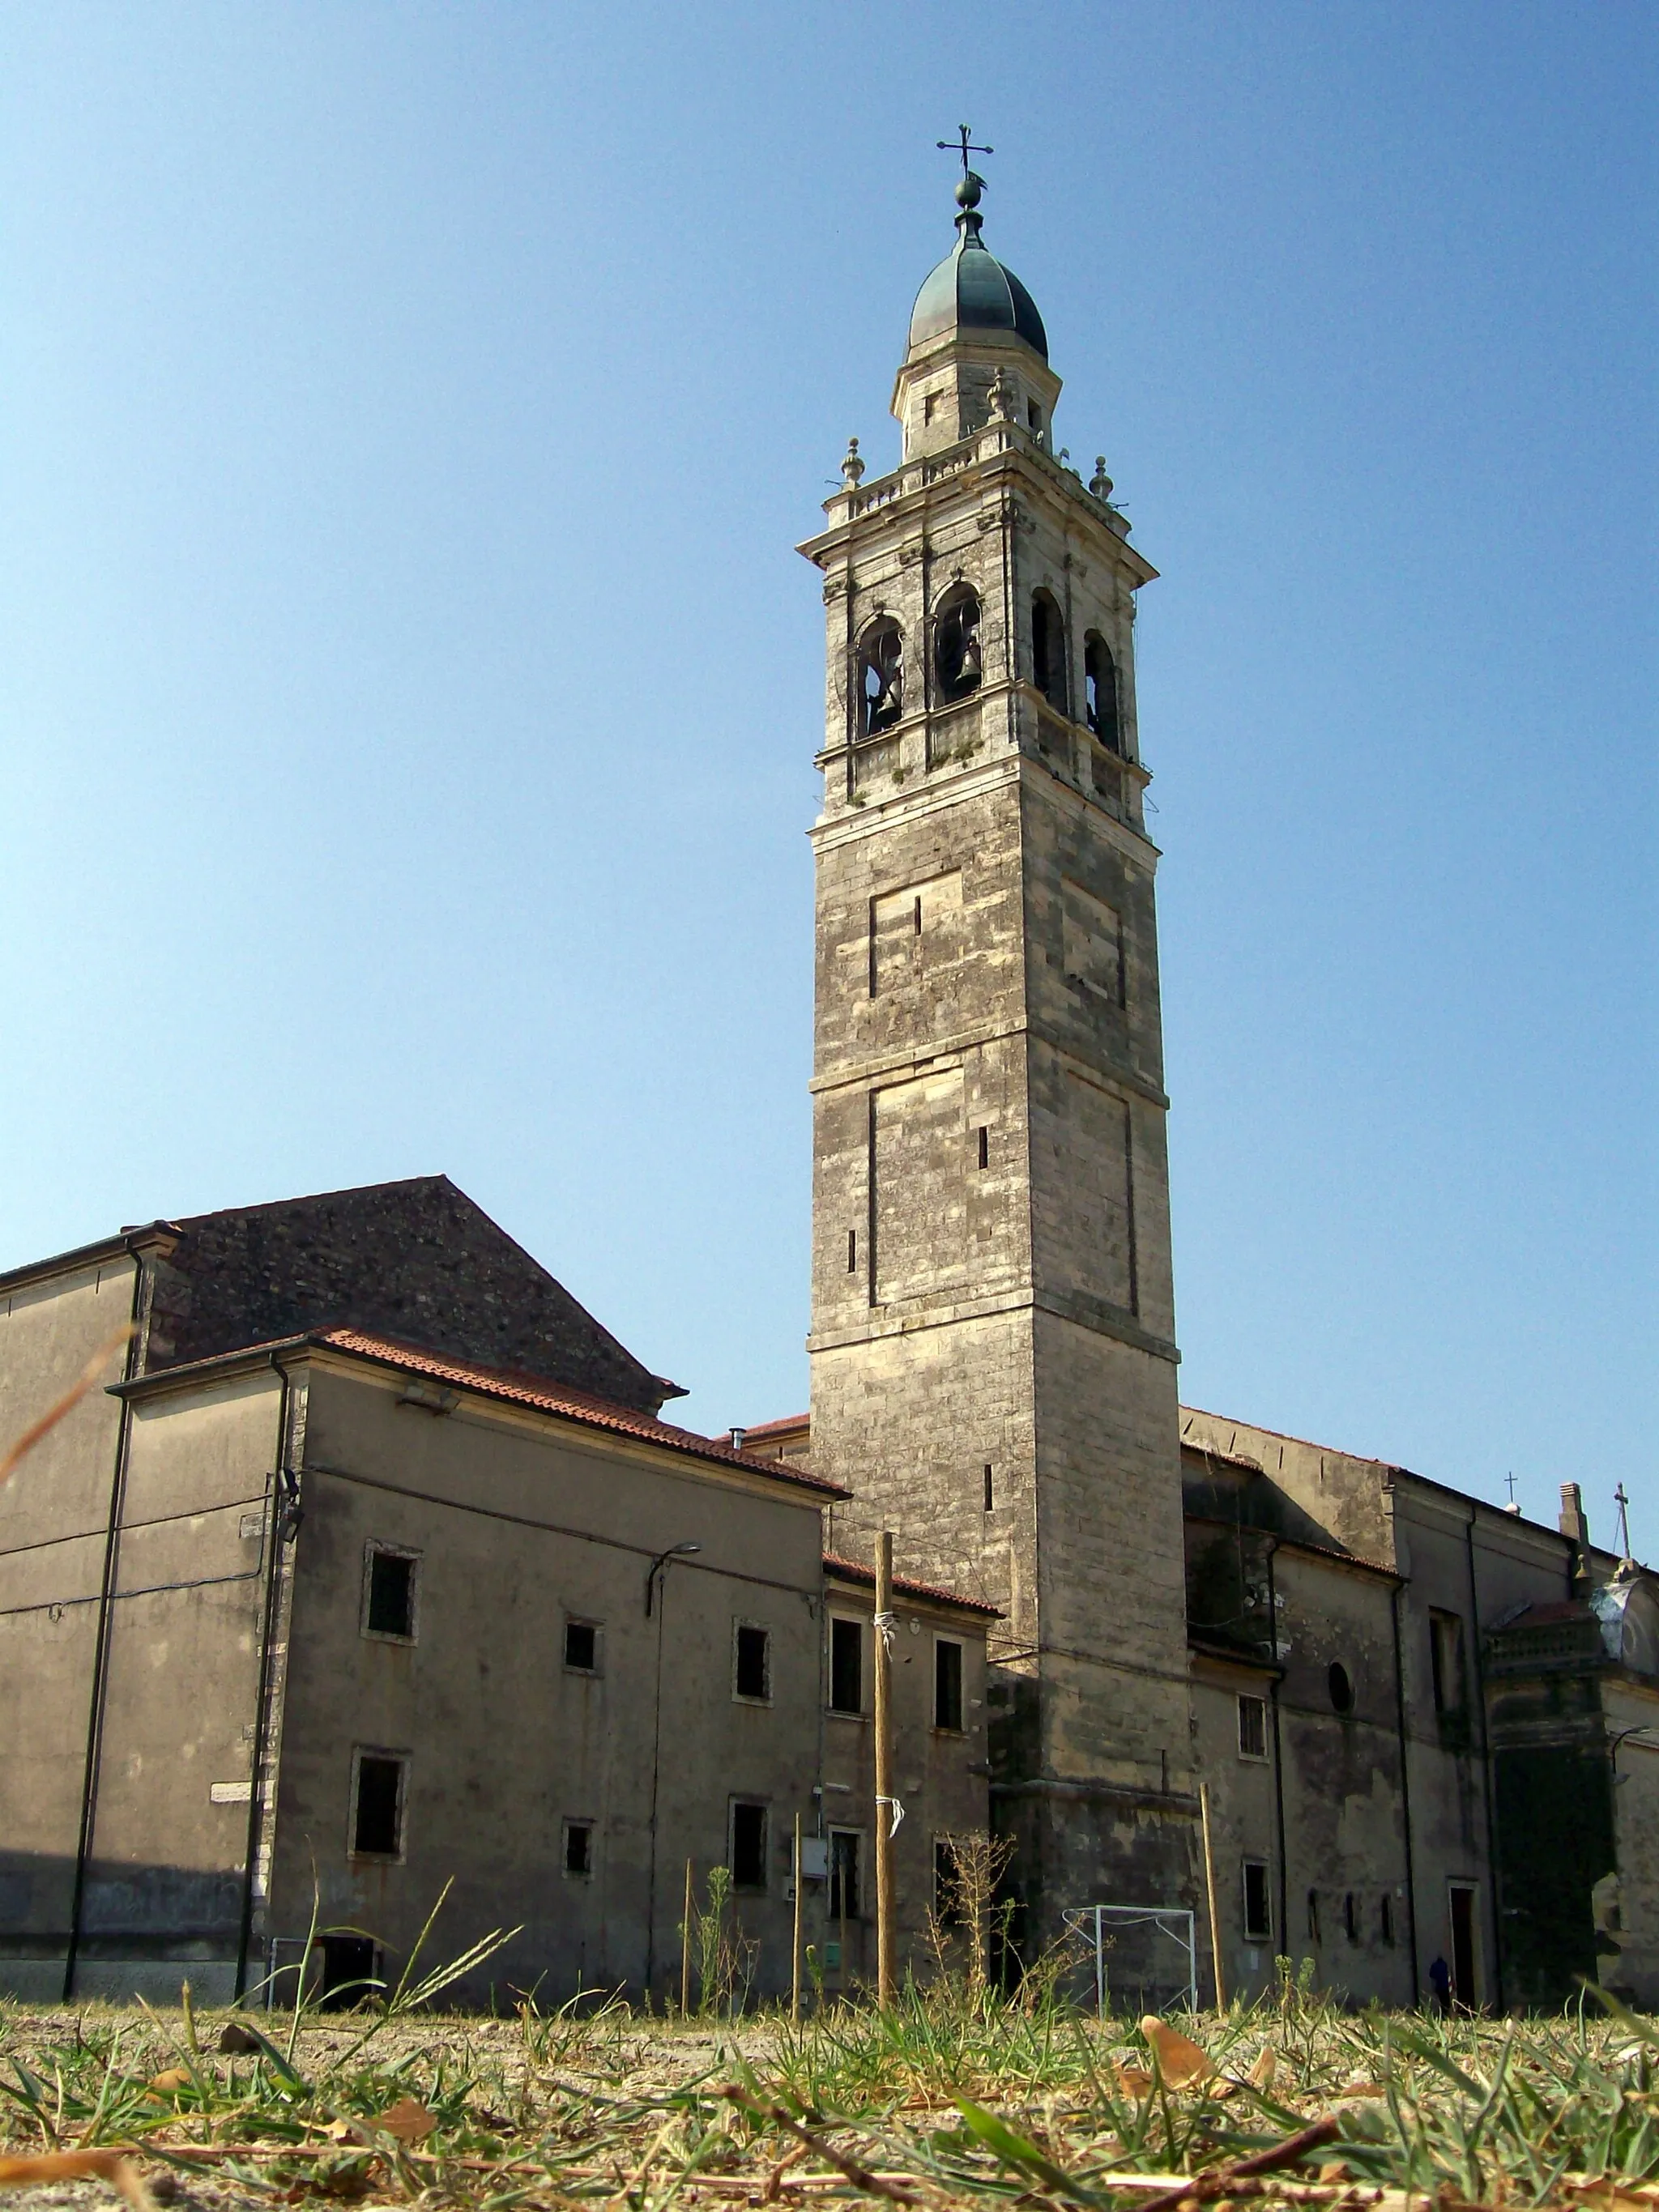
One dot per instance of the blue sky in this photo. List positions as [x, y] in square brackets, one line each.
[408, 689]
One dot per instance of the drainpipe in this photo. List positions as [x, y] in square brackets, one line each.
[101, 1640]
[1405, 1787]
[280, 1488]
[1279, 1762]
[1485, 1769]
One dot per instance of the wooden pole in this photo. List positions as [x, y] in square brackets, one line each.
[794, 1973]
[685, 1949]
[884, 1803]
[1215, 1903]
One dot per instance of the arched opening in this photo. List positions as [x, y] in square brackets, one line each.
[1049, 650]
[957, 661]
[881, 676]
[1100, 691]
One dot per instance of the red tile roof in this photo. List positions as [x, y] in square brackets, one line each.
[854, 1570]
[790, 1421]
[572, 1405]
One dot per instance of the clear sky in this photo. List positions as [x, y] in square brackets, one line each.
[408, 690]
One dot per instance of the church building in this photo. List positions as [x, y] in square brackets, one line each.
[374, 1564]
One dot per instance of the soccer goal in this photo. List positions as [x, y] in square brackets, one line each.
[1145, 1956]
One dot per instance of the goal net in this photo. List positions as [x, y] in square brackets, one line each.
[1135, 1958]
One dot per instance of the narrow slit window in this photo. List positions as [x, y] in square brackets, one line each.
[1258, 1919]
[748, 1857]
[845, 1666]
[984, 1147]
[1313, 1916]
[918, 913]
[947, 1685]
[377, 1812]
[579, 1848]
[1385, 1919]
[751, 1664]
[1351, 1918]
[990, 1489]
[852, 1251]
[1252, 1727]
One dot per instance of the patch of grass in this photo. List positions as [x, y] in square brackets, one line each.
[954, 2095]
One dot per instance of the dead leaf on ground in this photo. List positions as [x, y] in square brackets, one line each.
[170, 2078]
[1180, 2060]
[1134, 2081]
[408, 2120]
[79, 2166]
[1363, 2089]
[1267, 2065]
[236, 2042]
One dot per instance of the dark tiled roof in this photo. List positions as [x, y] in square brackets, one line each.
[574, 1405]
[854, 1570]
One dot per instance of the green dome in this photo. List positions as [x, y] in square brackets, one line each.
[970, 290]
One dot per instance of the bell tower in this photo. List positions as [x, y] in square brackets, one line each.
[992, 1354]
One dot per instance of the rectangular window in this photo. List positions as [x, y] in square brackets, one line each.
[852, 1251]
[377, 1805]
[845, 1666]
[984, 1147]
[1351, 1918]
[1386, 1919]
[1446, 1661]
[581, 1646]
[1253, 1727]
[1258, 1918]
[949, 1909]
[947, 1685]
[930, 407]
[748, 1853]
[752, 1664]
[990, 1489]
[579, 1848]
[843, 1873]
[389, 1593]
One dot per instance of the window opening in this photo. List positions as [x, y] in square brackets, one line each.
[930, 407]
[581, 1647]
[579, 1847]
[1446, 1661]
[881, 677]
[1462, 1933]
[1252, 1727]
[1351, 1918]
[1341, 1687]
[843, 1873]
[1313, 1916]
[1386, 1919]
[752, 1672]
[748, 1846]
[949, 1907]
[1048, 651]
[845, 1666]
[918, 913]
[958, 658]
[1258, 1919]
[391, 1608]
[852, 1251]
[377, 1820]
[984, 1147]
[1034, 417]
[1100, 691]
[947, 1685]
[990, 1489]
[347, 1971]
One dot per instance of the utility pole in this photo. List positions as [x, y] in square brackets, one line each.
[887, 1810]
[794, 1970]
[1214, 1902]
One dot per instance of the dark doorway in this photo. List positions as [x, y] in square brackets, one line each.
[1462, 1934]
[348, 1973]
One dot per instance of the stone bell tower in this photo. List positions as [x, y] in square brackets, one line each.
[992, 1355]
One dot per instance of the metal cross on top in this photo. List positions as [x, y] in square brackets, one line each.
[1623, 1503]
[949, 146]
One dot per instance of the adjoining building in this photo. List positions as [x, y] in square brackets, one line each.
[327, 1620]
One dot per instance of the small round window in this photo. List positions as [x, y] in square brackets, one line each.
[1341, 1684]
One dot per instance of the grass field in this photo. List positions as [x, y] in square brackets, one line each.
[948, 2098]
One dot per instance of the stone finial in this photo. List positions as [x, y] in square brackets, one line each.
[1002, 397]
[852, 468]
[1100, 483]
